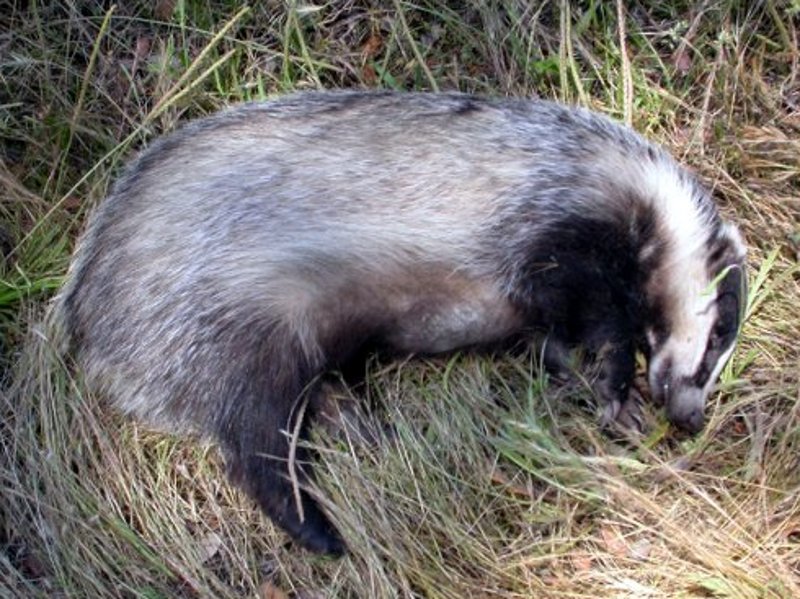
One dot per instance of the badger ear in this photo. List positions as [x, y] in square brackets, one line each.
[741, 254]
[744, 291]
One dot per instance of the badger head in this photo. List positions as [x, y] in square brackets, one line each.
[698, 300]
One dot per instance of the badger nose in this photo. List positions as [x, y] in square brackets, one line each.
[686, 407]
[692, 422]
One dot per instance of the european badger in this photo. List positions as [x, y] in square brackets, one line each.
[242, 256]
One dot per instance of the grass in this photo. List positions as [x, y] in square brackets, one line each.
[461, 476]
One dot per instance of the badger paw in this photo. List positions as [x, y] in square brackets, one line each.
[315, 532]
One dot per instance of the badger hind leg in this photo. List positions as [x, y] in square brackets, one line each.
[255, 426]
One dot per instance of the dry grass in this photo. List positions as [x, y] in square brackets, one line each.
[461, 477]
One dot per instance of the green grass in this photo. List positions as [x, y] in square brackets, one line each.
[456, 477]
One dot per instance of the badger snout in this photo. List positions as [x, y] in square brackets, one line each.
[686, 410]
[685, 403]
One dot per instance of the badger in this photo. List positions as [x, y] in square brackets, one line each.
[243, 256]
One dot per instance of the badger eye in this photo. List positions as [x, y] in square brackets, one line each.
[718, 336]
[656, 337]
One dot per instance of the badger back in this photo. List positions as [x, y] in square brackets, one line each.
[252, 219]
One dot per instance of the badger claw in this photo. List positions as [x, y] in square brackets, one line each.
[610, 412]
[630, 416]
[625, 416]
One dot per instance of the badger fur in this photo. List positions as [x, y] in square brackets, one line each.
[245, 254]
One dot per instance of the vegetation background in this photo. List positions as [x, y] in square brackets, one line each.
[456, 477]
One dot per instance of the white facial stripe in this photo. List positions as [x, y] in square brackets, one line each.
[705, 317]
[688, 339]
[684, 277]
[682, 233]
[674, 199]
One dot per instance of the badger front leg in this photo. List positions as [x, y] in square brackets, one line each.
[615, 386]
[260, 413]
[607, 337]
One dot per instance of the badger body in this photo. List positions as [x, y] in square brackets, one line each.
[244, 255]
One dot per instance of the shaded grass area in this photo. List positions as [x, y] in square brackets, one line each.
[464, 476]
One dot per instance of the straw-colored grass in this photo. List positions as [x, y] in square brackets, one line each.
[462, 476]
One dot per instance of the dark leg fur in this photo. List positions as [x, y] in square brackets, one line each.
[612, 346]
[556, 356]
[614, 386]
[616, 352]
[263, 404]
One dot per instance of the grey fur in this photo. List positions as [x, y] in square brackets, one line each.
[241, 256]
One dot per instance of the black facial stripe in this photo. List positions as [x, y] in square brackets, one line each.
[700, 377]
[710, 360]
[720, 339]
